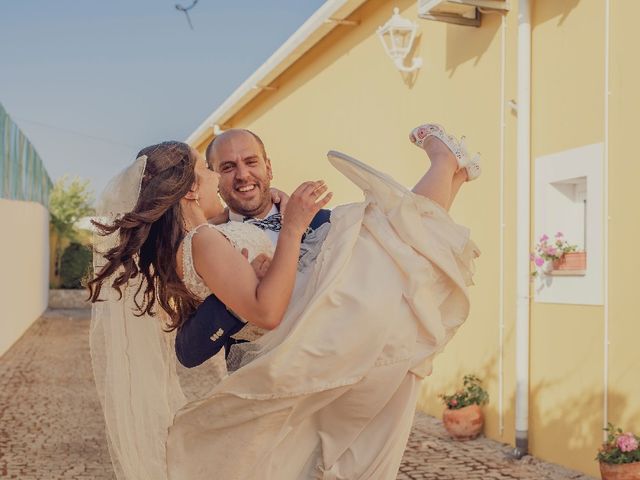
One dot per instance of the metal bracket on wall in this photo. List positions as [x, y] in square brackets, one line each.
[339, 21]
[267, 88]
[452, 18]
[459, 12]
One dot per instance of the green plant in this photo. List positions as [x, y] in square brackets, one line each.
[70, 200]
[619, 447]
[472, 393]
[75, 265]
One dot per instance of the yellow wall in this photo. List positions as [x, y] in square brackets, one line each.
[24, 255]
[345, 94]
[566, 396]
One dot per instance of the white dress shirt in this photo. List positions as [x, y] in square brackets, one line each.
[273, 236]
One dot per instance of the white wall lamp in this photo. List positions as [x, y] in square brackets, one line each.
[397, 36]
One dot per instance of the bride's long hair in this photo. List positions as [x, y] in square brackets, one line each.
[149, 237]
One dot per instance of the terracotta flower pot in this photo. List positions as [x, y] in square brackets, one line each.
[571, 261]
[464, 423]
[623, 471]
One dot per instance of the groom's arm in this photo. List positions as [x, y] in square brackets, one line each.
[209, 329]
[322, 217]
[206, 332]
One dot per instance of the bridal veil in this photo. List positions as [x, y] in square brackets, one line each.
[132, 357]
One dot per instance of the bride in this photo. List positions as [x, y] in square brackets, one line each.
[330, 391]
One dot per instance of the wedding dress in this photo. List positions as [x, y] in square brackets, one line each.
[242, 236]
[331, 392]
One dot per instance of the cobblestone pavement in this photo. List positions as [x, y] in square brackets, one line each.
[51, 424]
[432, 455]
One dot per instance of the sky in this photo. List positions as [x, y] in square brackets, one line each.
[91, 82]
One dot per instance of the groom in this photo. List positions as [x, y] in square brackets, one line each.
[239, 156]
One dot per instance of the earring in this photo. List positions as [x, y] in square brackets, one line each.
[197, 200]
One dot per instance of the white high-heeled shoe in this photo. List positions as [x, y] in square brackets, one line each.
[471, 164]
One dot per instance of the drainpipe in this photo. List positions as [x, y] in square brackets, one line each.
[605, 179]
[503, 126]
[523, 235]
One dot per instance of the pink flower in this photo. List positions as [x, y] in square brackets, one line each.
[627, 442]
[559, 234]
[544, 238]
[539, 261]
[453, 402]
[552, 250]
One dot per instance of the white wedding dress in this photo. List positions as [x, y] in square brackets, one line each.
[331, 392]
[241, 236]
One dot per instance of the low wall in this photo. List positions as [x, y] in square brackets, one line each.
[24, 267]
[68, 299]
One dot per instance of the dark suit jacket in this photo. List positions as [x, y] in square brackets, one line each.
[194, 344]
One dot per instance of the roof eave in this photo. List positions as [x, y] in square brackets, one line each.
[322, 22]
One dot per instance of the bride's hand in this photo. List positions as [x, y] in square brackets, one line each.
[303, 205]
[278, 196]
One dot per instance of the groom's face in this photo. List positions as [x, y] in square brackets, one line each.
[245, 173]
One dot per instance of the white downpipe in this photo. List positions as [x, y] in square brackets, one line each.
[503, 126]
[605, 179]
[523, 209]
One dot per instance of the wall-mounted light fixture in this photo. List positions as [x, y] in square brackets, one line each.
[397, 36]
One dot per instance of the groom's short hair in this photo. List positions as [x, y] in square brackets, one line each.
[256, 137]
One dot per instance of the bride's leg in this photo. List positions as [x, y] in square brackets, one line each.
[438, 183]
[459, 178]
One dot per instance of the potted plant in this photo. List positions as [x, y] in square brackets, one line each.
[558, 257]
[463, 416]
[619, 455]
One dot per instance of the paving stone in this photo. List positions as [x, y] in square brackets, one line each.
[51, 424]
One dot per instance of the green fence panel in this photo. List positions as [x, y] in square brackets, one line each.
[22, 171]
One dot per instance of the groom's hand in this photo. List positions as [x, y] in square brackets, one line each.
[260, 264]
[278, 196]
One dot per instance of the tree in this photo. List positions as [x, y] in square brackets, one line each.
[70, 200]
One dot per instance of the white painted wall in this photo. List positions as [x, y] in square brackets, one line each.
[24, 267]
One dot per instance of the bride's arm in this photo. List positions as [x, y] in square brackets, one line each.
[232, 279]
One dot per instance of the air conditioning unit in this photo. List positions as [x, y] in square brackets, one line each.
[459, 12]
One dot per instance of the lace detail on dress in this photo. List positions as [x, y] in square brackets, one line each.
[245, 235]
[241, 235]
[190, 278]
